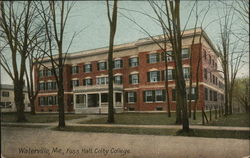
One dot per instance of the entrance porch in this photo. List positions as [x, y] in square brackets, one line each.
[94, 99]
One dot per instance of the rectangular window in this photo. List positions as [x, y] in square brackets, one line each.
[154, 76]
[133, 62]
[171, 74]
[148, 96]
[134, 78]
[102, 80]
[5, 94]
[211, 95]
[206, 94]
[74, 83]
[104, 97]
[40, 74]
[74, 69]
[49, 72]
[118, 79]
[49, 85]
[215, 96]
[118, 64]
[87, 82]
[102, 66]
[131, 97]
[42, 86]
[118, 97]
[185, 53]
[186, 72]
[159, 95]
[80, 98]
[87, 68]
[153, 58]
[191, 96]
[168, 55]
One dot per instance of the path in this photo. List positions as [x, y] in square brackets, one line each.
[98, 145]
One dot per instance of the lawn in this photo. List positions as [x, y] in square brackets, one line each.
[143, 119]
[158, 131]
[240, 120]
[235, 120]
[39, 118]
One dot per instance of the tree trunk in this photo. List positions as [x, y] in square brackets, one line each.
[60, 93]
[32, 106]
[19, 101]
[112, 22]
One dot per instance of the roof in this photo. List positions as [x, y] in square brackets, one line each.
[142, 41]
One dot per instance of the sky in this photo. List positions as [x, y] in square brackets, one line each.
[89, 20]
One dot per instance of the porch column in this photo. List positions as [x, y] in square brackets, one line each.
[122, 99]
[87, 101]
[100, 100]
[114, 99]
[74, 101]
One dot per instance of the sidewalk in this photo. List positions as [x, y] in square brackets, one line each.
[75, 122]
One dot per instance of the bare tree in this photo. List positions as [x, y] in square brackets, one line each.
[18, 29]
[33, 63]
[55, 15]
[112, 24]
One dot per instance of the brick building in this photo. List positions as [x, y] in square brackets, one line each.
[139, 77]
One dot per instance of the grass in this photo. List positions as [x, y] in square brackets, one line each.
[143, 119]
[235, 120]
[158, 131]
[39, 118]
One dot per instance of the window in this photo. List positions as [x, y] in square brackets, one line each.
[134, 78]
[118, 97]
[215, 96]
[74, 83]
[40, 74]
[118, 64]
[104, 97]
[131, 97]
[191, 96]
[48, 100]
[5, 94]
[133, 62]
[87, 82]
[154, 76]
[49, 85]
[74, 69]
[185, 53]
[87, 68]
[42, 86]
[80, 98]
[159, 95]
[206, 94]
[49, 72]
[101, 66]
[211, 95]
[102, 80]
[171, 74]
[148, 96]
[153, 58]
[186, 72]
[205, 74]
[118, 79]
[168, 55]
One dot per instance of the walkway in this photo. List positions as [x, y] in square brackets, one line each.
[61, 144]
[76, 122]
